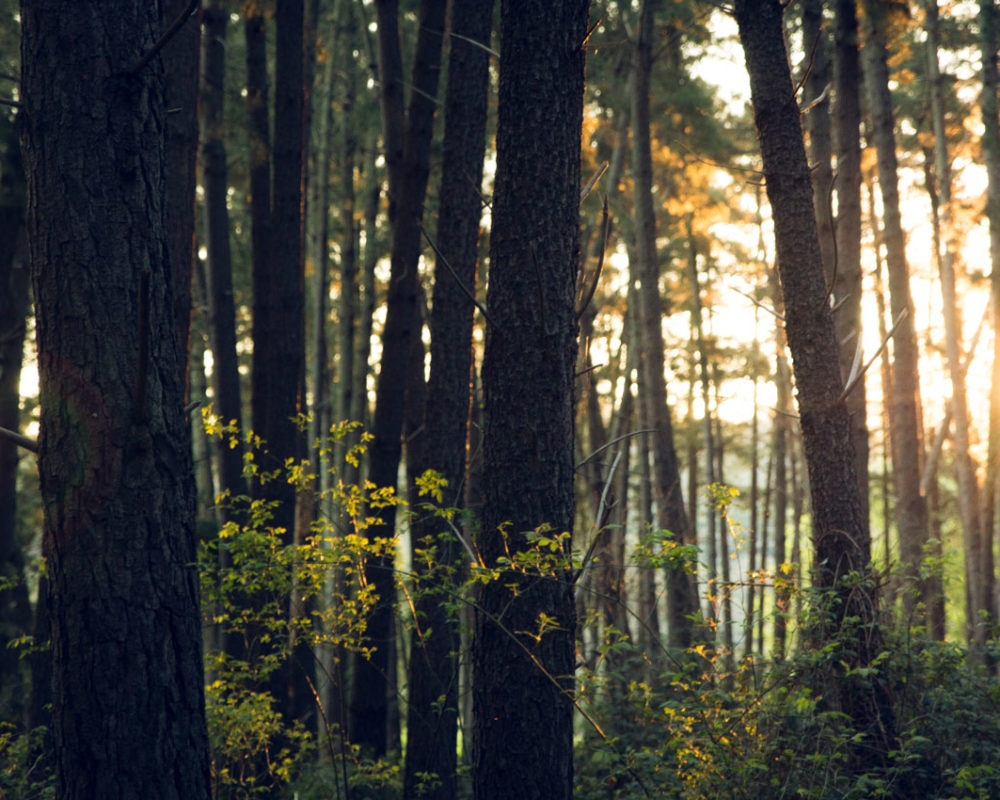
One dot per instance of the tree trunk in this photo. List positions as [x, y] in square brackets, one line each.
[782, 432]
[114, 454]
[407, 140]
[523, 653]
[905, 425]
[978, 590]
[991, 156]
[847, 285]
[15, 608]
[180, 67]
[841, 548]
[682, 599]
[432, 719]
[219, 270]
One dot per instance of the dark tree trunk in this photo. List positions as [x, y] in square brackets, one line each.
[278, 371]
[840, 540]
[180, 67]
[221, 304]
[114, 457]
[432, 720]
[523, 683]
[407, 140]
[15, 608]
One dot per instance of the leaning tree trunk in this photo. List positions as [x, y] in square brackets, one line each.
[848, 607]
[114, 455]
[523, 653]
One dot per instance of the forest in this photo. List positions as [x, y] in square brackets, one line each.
[534, 399]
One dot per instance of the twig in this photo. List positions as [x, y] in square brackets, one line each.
[604, 447]
[19, 440]
[480, 45]
[594, 179]
[598, 520]
[605, 230]
[170, 33]
[454, 274]
[853, 382]
[759, 304]
[11, 103]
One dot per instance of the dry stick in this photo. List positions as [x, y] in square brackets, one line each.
[590, 184]
[854, 379]
[759, 304]
[454, 274]
[605, 231]
[171, 32]
[598, 520]
[480, 45]
[19, 440]
[604, 447]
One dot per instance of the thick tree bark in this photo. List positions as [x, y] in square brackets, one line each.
[905, 424]
[523, 653]
[180, 66]
[840, 541]
[432, 719]
[406, 140]
[114, 457]
[682, 599]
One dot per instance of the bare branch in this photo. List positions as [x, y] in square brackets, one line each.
[19, 440]
[167, 36]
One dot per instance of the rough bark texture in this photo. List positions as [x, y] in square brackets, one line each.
[180, 66]
[847, 285]
[682, 599]
[115, 467]
[407, 140]
[523, 675]
[905, 424]
[432, 720]
[839, 536]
